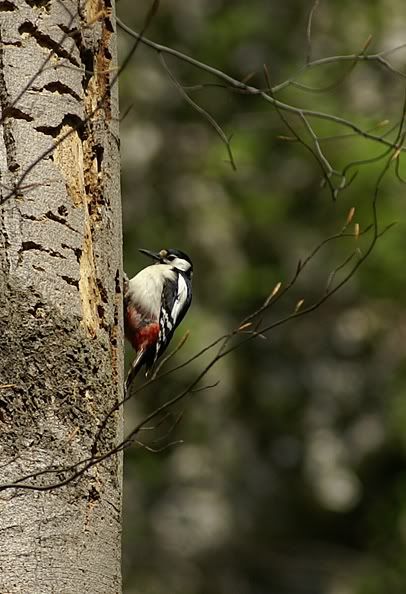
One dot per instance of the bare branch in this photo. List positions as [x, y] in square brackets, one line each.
[250, 90]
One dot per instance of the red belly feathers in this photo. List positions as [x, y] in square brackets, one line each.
[140, 331]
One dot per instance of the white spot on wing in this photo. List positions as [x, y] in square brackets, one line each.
[180, 299]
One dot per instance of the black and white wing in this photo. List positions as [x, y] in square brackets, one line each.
[176, 299]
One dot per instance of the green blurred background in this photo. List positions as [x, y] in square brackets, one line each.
[291, 478]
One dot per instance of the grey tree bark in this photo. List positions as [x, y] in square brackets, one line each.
[60, 296]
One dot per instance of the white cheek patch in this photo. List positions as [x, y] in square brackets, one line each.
[181, 264]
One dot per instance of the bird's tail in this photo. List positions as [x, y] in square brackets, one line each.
[134, 369]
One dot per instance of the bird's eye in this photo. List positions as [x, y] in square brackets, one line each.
[171, 257]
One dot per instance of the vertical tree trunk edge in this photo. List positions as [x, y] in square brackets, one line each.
[61, 365]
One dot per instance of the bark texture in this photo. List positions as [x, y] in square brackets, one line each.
[60, 296]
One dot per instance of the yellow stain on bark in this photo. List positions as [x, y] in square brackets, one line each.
[94, 9]
[89, 292]
[69, 157]
[77, 161]
[99, 85]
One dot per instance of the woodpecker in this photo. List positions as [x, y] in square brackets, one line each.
[155, 302]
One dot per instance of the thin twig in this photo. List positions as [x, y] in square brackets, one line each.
[201, 111]
[309, 31]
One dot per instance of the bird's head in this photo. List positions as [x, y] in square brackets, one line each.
[174, 258]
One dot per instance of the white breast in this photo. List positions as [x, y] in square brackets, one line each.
[145, 288]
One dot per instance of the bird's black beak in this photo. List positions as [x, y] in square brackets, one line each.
[152, 255]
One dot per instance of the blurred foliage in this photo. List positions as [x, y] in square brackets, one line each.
[291, 478]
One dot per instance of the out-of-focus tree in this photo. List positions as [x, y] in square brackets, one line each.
[290, 479]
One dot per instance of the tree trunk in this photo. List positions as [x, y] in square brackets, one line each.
[60, 297]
